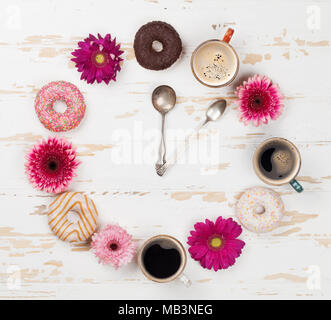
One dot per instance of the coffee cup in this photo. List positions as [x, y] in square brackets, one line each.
[162, 259]
[215, 63]
[277, 161]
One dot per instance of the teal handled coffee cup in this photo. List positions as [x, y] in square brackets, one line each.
[277, 161]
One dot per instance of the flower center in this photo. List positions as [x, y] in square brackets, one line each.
[100, 58]
[113, 246]
[215, 242]
[257, 102]
[52, 165]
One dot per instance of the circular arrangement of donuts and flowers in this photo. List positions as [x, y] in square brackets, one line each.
[51, 164]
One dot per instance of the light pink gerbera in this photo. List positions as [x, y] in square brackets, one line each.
[51, 165]
[215, 244]
[114, 246]
[259, 100]
[98, 58]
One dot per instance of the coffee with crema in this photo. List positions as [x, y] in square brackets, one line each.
[277, 161]
[215, 63]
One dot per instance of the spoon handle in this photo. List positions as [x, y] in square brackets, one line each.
[180, 150]
[163, 140]
[162, 149]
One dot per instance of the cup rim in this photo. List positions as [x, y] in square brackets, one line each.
[224, 43]
[180, 269]
[272, 181]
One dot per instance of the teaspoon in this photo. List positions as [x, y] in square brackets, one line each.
[213, 113]
[163, 100]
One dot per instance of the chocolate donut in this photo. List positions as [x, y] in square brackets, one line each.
[163, 33]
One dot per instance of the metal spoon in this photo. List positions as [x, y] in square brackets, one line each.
[213, 113]
[163, 100]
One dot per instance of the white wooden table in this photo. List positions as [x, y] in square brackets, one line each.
[117, 142]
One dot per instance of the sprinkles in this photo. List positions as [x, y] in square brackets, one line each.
[60, 91]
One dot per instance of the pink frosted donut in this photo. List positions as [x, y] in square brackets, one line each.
[260, 209]
[70, 95]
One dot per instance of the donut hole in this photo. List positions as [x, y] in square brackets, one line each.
[73, 217]
[259, 209]
[60, 106]
[157, 46]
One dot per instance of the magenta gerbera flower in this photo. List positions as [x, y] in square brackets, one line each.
[114, 246]
[98, 58]
[51, 165]
[215, 244]
[259, 100]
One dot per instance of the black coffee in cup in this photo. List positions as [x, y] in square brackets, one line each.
[161, 262]
[162, 259]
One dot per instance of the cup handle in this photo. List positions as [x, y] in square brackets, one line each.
[183, 278]
[296, 185]
[228, 35]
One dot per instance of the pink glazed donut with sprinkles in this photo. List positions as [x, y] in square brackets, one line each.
[260, 209]
[60, 91]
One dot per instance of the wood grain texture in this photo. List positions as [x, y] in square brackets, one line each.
[118, 139]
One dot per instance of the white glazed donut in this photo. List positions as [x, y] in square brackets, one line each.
[72, 216]
[260, 209]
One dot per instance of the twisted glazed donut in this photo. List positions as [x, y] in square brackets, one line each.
[260, 209]
[64, 91]
[72, 216]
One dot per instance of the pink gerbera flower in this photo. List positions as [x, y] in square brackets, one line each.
[98, 59]
[51, 165]
[259, 100]
[114, 246]
[215, 244]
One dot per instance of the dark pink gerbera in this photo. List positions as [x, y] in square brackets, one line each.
[98, 59]
[51, 165]
[259, 100]
[215, 244]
